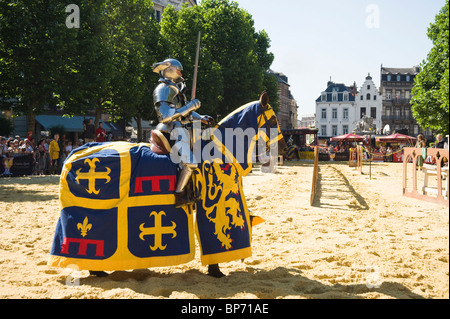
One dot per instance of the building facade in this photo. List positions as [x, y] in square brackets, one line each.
[287, 110]
[160, 5]
[336, 110]
[396, 86]
[308, 120]
[369, 103]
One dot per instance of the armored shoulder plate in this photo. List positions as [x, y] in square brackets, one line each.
[165, 92]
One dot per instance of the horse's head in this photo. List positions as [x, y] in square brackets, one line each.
[269, 122]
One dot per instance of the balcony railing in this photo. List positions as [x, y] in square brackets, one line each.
[399, 101]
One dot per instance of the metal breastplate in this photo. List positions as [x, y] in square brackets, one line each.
[167, 97]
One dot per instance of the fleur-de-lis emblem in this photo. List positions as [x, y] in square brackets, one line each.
[85, 227]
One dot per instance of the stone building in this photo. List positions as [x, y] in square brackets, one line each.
[369, 103]
[287, 110]
[160, 5]
[336, 110]
[396, 86]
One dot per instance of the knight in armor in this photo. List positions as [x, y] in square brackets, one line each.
[175, 112]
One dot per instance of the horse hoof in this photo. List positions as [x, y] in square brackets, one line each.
[100, 274]
[214, 271]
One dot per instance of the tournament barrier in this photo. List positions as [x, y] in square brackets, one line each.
[356, 158]
[16, 164]
[439, 170]
[315, 175]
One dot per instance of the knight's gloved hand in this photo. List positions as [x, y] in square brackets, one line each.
[193, 105]
[189, 108]
[208, 120]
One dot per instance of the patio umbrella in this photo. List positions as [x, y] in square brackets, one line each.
[396, 138]
[350, 137]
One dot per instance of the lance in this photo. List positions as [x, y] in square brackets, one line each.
[194, 82]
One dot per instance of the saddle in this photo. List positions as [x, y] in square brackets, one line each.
[159, 143]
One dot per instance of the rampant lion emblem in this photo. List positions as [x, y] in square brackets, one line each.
[220, 200]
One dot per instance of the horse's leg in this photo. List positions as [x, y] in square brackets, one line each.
[214, 271]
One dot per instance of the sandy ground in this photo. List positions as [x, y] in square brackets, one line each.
[360, 239]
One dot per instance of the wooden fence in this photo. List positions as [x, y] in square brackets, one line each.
[315, 175]
[438, 169]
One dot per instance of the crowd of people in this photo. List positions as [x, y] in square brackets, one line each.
[49, 153]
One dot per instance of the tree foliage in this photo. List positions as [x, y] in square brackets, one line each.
[105, 64]
[430, 102]
[234, 57]
[32, 46]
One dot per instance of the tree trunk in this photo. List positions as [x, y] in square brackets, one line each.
[139, 128]
[31, 125]
[98, 114]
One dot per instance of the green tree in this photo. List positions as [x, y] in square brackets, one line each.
[32, 46]
[85, 79]
[234, 57]
[430, 101]
[135, 36]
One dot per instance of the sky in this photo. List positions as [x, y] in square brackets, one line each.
[345, 40]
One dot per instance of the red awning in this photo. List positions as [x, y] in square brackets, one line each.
[396, 138]
[351, 137]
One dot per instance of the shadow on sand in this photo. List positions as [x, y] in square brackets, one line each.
[264, 284]
[346, 191]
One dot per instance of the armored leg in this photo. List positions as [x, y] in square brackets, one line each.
[184, 194]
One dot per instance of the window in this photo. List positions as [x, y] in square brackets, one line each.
[344, 129]
[345, 96]
[368, 96]
[388, 95]
[345, 115]
[334, 129]
[399, 78]
[323, 130]
[389, 78]
[362, 98]
[158, 15]
[373, 112]
[363, 112]
[324, 97]
[374, 97]
[368, 87]
[397, 95]
[335, 97]
[407, 95]
[334, 114]
[408, 78]
[324, 113]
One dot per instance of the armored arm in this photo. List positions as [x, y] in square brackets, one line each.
[168, 113]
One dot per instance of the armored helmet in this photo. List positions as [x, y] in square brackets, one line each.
[169, 69]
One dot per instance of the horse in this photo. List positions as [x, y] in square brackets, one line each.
[118, 203]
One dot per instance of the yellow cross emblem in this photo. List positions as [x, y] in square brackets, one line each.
[92, 175]
[158, 231]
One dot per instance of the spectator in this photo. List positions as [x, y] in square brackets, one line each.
[54, 155]
[69, 148]
[100, 133]
[89, 132]
[439, 141]
[41, 157]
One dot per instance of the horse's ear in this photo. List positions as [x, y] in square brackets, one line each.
[264, 100]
